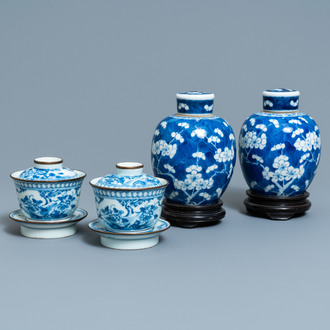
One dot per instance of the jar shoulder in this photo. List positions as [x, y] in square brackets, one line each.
[190, 123]
[275, 121]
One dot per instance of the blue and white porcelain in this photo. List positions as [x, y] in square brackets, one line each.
[48, 191]
[195, 151]
[280, 147]
[129, 240]
[48, 169]
[48, 229]
[128, 200]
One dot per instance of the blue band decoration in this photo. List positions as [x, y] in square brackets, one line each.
[281, 99]
[195, 103]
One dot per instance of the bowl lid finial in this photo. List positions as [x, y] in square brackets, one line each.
[48, 169]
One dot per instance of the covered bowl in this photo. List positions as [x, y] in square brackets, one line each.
[48, 190]
[129, 200]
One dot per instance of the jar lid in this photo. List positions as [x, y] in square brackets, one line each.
[280, 99]
[129, 176]
[48, 169]
[195, 103]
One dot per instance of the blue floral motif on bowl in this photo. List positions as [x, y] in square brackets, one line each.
[38, 174]
[136, 181]
[48, 200]
[129, 210]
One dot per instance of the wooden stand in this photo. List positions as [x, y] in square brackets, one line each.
[277, 208]
[191, 216]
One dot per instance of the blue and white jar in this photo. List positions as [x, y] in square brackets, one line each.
[195, 151]
[129, 200]
[280, 147]
[48, 191]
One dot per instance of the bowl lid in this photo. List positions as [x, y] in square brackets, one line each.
[129, 176]
[48, 169]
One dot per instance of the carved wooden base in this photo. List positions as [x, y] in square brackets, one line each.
[275, 207]
[190, 216]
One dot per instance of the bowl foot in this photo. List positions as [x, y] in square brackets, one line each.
[276, 207]
[191, 216]
[129, 242]
[40, 231]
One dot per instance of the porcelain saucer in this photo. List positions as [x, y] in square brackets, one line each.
[129, 241]
[49, 228]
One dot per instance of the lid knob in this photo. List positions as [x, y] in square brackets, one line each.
[129, 168]
[48, 162]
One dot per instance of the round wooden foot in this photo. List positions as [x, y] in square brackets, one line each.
[276, 207]
[190, 216]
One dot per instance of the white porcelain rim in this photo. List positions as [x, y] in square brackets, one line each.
[132, 234]
[15, 176]
[49, 222]
[48, 160]
[129, 165]
[195, 97]
[95, 180]
[281, 94]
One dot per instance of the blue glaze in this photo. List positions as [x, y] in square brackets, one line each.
[129, 210]
[129, 200]
[136, 181]
[280, 99]
[48, 201]
[55, 174]
[279, 153]
[195, 106]
[196, 155]
[48, 191]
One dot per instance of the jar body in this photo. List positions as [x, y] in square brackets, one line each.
[279, 152]
[196, 155]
